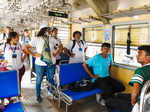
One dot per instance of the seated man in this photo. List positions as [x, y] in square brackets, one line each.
[101, 64]
[141, 74]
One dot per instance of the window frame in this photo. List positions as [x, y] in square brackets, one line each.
[94, 26]
[62, 28]
[130, 67]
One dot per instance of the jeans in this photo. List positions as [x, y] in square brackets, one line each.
[42, 71]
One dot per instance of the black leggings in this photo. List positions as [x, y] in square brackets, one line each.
[109, 86]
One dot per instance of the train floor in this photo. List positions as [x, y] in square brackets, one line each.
[48, 105]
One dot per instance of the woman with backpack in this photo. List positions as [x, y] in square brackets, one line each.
[76, 49]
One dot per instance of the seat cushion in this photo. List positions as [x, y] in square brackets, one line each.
[14, 107]
[79, 95]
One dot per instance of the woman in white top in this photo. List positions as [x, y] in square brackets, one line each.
[13, 58]
[43, 62]
[76, 48]
[56, 45]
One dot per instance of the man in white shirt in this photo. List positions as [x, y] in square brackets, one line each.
[77, 49]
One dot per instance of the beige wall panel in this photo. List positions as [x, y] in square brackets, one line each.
[94, 36]
[124, 75]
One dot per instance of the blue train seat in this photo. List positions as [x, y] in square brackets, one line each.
[69, 73]
[10, 88]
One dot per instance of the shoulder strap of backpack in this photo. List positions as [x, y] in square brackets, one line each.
[4, 35]
[82, 42]
[73, 45]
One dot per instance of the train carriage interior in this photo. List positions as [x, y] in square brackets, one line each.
[124, 24]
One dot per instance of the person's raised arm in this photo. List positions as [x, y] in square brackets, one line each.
[60, 49]
[24, 56]
[27, 49]
[88, 71]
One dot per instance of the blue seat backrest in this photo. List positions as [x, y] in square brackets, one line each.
[70, 73]
[9, 84]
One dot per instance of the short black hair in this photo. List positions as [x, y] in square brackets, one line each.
[54, 28]
[76, 32]
[106, 45]
[145, 48]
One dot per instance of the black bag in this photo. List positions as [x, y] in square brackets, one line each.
[119, 103]
[79, 86]
[64, 58]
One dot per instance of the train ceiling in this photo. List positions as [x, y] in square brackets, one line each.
[33, 12]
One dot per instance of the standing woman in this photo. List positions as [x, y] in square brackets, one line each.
[77, 48]
[56, 46]
[13, 58]
[43, 62]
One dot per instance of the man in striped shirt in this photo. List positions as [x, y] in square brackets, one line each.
[141, 74]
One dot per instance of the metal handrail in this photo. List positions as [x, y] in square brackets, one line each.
[142, 96]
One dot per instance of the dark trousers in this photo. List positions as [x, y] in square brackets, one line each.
[21, 73]
[58, 62]
[120, 103]
[109, 86]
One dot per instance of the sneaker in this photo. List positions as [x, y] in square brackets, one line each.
[20, 98]
[39, 99]
[102, 102]
[98, 97]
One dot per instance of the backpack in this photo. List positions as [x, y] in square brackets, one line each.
[64, 58]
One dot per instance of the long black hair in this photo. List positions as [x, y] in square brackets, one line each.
[12, 35]
[42, 31]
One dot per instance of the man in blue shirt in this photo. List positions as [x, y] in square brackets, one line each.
[101, 65]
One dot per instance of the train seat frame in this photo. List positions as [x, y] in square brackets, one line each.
[67, 74]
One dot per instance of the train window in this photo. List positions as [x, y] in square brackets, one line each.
[63, 31]
[93, 49]
[138, 36]
[94, 34]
